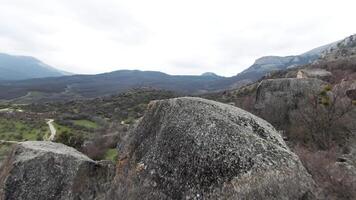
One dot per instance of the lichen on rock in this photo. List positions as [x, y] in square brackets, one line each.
[192, 148]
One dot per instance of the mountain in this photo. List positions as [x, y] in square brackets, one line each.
[87, 86]
[211, 74]
[24, 67]
[267, 64]
[344, 48]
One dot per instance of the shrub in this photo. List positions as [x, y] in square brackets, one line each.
[327, 88]
[335, 181]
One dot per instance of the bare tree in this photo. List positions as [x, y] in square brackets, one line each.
[323, 116]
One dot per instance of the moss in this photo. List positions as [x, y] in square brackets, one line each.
[323, 93]
[327, 88]
[111, 154]
[325, 101]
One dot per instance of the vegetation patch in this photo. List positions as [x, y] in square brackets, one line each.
[4, 150]
[85, 123]
[111, 154]
[18, 130]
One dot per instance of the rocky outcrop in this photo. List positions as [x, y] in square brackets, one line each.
[274, 63]
[314, 73]
[344, 48]
[191, 148]
[286, 91]
[52, 171]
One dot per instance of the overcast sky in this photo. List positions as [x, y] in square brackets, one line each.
[176, 37]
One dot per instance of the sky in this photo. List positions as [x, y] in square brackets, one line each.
[175, 37]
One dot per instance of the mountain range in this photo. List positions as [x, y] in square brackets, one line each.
[63, 87]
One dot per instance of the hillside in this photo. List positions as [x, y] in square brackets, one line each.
[314, 108]
[88, 86]
[269, 64]
[25, 67]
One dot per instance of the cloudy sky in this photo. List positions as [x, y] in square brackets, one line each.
[176, 37]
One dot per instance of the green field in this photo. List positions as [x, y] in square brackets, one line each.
[17, 130]
[85, 123]
[20, 130]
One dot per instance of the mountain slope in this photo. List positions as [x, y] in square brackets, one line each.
[267, 64]
[24, 67]
[344, 48]
[87, 86]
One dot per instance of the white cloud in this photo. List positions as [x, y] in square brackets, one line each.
[177, 37]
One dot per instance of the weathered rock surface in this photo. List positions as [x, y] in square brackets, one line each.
[191, 148]
[286, 91]
[314, 73]
[46, 171]
[344, 48]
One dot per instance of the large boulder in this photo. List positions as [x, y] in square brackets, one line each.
[51, 171]
[286, 91]
[192, 148]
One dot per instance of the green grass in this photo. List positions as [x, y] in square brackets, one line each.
[111, 154]
[61, 129]
[16, 130]
[85, 123]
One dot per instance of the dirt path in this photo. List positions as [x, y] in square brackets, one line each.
[52, 129]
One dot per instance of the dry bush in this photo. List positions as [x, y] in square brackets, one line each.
[323, 120]
[98, 147]
[335, 181]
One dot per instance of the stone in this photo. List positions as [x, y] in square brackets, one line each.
[47, 170]
[192, 148]
[286, 91]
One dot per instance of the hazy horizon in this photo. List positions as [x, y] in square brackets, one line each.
[178, 38]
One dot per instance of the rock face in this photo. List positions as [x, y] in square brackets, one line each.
[46, 170]
[314, 73]
[192, 148]
[286, 91]
[344, 48]
[272, 63]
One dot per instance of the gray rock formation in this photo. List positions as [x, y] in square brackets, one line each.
[286, 91]
[343, 48]
[314, 73]
[191, 148]
[51, 171]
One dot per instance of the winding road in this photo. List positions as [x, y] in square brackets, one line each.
[52, 129]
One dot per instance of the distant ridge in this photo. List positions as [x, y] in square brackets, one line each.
[90, 86]
[25, 67]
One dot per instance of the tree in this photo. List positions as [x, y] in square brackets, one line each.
[324, 116]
